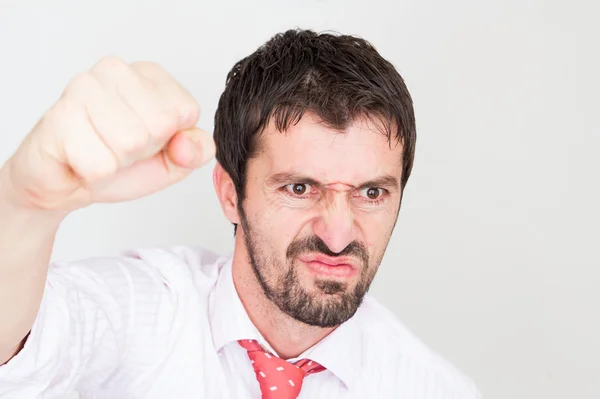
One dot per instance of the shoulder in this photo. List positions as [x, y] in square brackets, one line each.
[413, 360]
[146, 274]
[154, 262]
[188, 261]
[149, 292]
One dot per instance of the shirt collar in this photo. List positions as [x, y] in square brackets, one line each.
[339, 352]
[228, 319]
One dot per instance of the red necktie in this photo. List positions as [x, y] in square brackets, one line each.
[278, 379]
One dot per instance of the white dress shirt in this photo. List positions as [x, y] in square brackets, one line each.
[164, 323]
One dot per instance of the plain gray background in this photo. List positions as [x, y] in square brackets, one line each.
[494, 261]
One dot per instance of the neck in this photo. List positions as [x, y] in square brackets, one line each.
[286, 335]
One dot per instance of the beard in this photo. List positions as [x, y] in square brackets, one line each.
[333, 303]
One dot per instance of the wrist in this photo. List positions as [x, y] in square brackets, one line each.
[17, 206]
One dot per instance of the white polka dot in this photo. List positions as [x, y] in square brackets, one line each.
[263, 375]
[292, 383]
[267, 355]
[279, 368]
[273, 388]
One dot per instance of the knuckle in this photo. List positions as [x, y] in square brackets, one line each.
[63, 106]
[132, 141]
[100, 170]
[81, 83]
[92, 162]
[148, 68]
[110, 62]
[189, 111]
[63, 110]
[163, 124]
[92, 165]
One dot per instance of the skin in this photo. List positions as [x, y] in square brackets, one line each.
[123, 131]
[350, 207]
[118, 132]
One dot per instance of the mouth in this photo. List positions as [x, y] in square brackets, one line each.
[323, 265]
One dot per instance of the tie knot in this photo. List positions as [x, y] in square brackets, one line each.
[278, 379]
[251, 345]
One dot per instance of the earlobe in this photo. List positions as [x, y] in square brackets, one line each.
[226, 192]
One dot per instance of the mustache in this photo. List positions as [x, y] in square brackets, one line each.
[314, 244]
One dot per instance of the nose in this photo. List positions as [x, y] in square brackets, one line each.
[336, 225]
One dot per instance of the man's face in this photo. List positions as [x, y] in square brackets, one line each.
[319, 209]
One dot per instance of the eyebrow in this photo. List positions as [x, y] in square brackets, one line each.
[385, 181]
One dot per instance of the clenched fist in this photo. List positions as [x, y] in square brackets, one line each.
[118, 132]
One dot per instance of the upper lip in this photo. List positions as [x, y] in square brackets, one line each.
[329, 260]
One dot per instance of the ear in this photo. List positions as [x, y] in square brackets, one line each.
[226, 192]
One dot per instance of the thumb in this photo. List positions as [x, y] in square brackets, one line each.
[190, 149]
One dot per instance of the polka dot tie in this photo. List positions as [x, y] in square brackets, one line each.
[278, 379]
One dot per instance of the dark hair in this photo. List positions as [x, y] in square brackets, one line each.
[339, 78]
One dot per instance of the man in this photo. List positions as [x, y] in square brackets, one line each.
[315, 139]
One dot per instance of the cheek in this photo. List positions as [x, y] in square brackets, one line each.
[277, 227]
[376, 232]
[285, 219]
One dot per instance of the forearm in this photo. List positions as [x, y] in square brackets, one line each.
[26, 240]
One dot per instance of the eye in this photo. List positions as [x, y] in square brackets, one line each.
[372, 193]
[298, 188]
